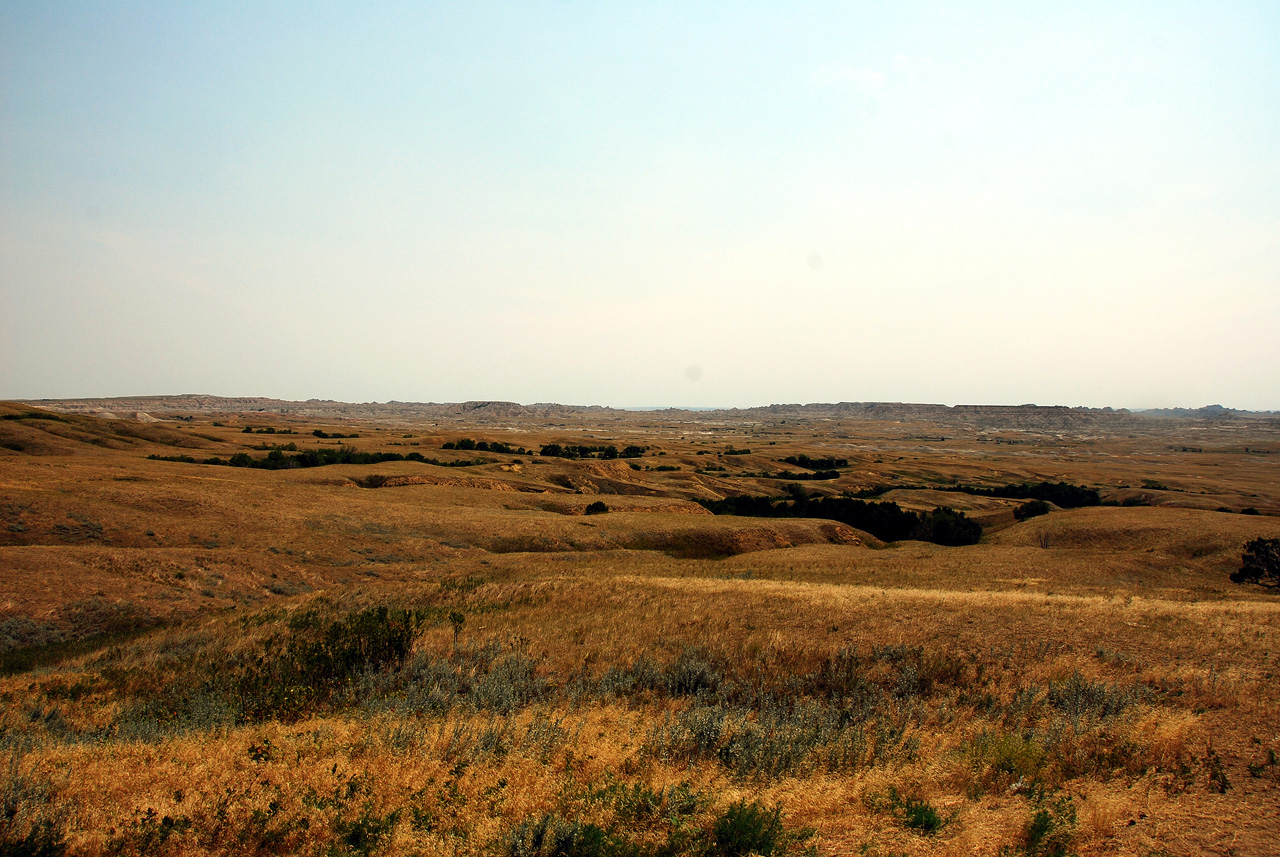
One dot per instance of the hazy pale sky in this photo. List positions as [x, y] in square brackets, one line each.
[642, 204]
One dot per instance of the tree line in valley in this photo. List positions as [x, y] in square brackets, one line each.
[608, 451]
[816, 463]
[550, 450]
[278, 459]
[886, 521]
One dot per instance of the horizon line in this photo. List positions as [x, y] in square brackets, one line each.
[654, 408]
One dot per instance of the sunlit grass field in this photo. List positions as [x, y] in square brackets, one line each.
[203, 659]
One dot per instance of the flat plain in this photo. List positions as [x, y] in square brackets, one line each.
[214, 640]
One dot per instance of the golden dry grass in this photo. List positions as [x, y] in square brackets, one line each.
[1095, 654]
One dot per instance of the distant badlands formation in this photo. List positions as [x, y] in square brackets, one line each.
[1039, 417]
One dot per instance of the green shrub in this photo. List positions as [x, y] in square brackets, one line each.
[320, 457]
[816, 463]
[887, 521]
[307, 669]
[1260, 563]
[596, 508]
[1032, 509]
[553, 836]
[1218, 781]
[747, 828]
[1051, 830]
[946, 526]
[362, 835]
[915, 813]
[572, 451]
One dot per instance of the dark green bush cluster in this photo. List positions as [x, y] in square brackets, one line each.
[278, 460]
[266, 430]
[816, 463]
[34, 415]
[324, 435]
[1260, 563]
[887, 521]
[596, 508]
[268, 830]
[743, 828]
[1051, 830]
[1033, 509]
[283, 447]
[316, 664]
[912, 811]
[497, 446]
[608, 451]
[946, 526]
[303, 670]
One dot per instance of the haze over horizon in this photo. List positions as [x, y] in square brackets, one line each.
[658, 205]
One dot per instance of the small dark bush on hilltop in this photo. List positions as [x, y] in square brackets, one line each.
[1260, 563]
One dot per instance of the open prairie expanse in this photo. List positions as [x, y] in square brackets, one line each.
[256, 627]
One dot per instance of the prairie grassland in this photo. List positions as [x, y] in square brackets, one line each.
[202, 659]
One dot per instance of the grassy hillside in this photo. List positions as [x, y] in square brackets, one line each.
[413, 658]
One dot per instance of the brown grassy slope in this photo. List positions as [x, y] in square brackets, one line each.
[588, 616]
[966, 647]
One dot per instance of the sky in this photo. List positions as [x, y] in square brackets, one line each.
[642, 204]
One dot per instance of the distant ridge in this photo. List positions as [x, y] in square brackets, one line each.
[1031, 417]
[1208, 412]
